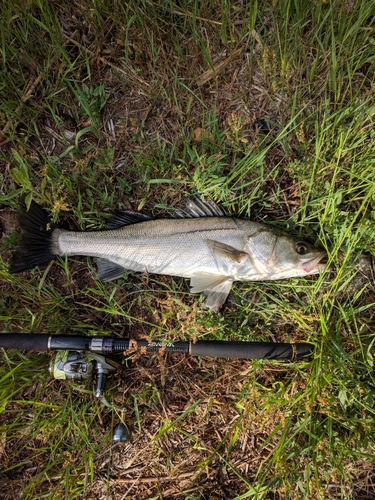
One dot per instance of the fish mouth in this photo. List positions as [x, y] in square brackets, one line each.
[314, 265]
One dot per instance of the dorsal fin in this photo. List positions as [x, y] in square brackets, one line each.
[196, 207]
[126, 218]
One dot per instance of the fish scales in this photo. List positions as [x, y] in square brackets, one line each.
[175, 247]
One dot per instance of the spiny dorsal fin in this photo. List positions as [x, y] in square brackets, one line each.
[196, 207]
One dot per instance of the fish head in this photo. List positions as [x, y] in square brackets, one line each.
[279, 256]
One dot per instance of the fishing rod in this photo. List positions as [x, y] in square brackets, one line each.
[85, 359]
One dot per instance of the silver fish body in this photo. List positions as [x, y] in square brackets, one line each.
[213, 251]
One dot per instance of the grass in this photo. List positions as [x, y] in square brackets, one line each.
[265, 107]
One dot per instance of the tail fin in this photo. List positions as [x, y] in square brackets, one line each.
[36, 238]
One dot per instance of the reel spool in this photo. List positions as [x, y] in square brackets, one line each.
[70, 365]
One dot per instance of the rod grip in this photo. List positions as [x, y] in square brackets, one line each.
[253, 350]
[26, 341]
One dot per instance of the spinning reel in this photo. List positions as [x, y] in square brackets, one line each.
[86, 367]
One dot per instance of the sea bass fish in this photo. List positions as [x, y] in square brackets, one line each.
[200, 242]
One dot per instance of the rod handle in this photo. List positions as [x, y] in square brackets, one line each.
[253, 350]
[26, 341]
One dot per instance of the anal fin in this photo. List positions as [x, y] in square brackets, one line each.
[108, 271]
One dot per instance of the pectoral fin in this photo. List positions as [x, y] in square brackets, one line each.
[215, 286]
[108, 271]
[226, 251]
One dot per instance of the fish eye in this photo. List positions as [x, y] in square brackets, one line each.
[301, 248]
